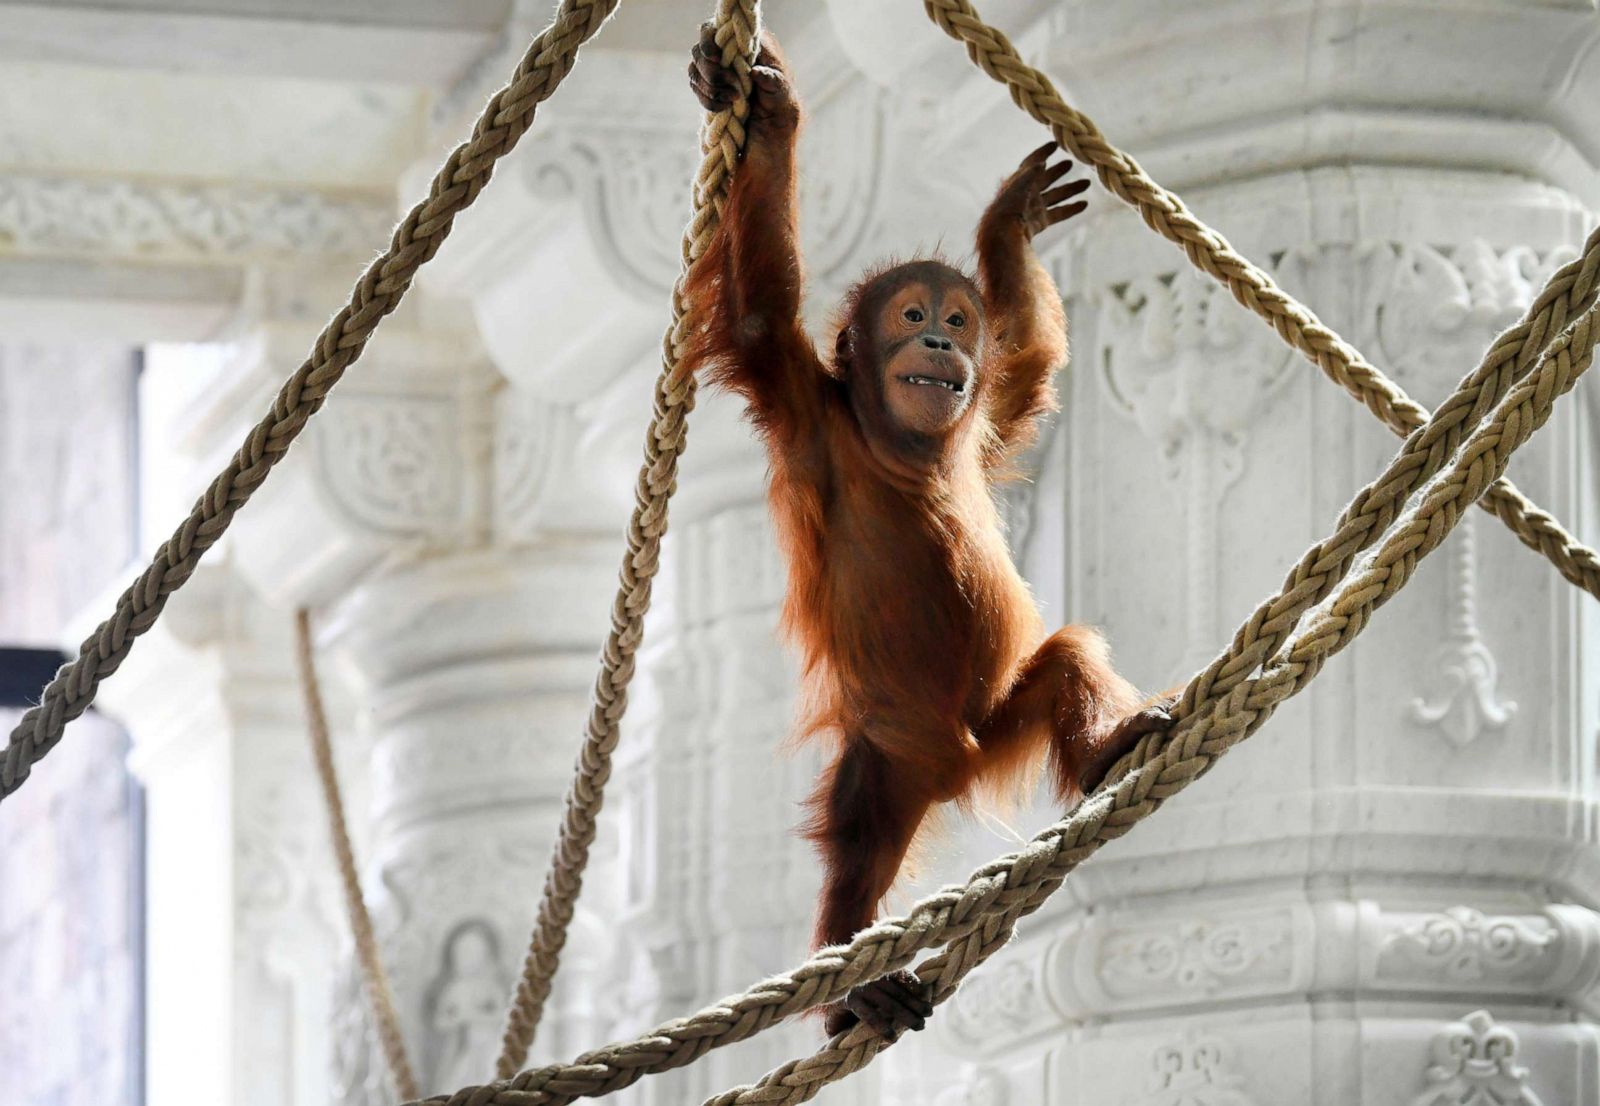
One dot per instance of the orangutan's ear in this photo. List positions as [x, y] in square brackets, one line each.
[842, 347]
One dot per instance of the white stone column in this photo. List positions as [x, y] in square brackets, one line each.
[465, 636]
[1386, 897]
[715, 888]
[239, 924]
[471, 675]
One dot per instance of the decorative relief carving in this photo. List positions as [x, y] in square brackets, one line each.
[1192, 1070]
[359, 1076]
[437, 911]
[1177, 355]
[463, 1006]
[844, 143]
[532, 441]
[1473, 1063]
[1200, 957]
[1463, 945]
[394, 463]
[1468, 704]
[56, 215]
[631, 185]
[983, 1087]
[742, 569]
[1183, 361]
[995, 1004]
[1433, 309]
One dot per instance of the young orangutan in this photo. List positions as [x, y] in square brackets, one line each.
[925, 658]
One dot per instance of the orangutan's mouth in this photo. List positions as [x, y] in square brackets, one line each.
[959, 387]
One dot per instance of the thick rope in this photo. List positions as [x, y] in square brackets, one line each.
[1169, 762]
[1569, 292]
[722, 141]
[975, 920]
[373, 977]
[1295, 323]
[505, 119]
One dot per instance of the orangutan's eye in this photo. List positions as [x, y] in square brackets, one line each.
[957, 320]
[914, 315]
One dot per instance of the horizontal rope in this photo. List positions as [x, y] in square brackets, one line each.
[378, 292]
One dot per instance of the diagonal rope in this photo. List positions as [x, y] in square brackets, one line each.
[465, 172]
[974, 919]
[1569, 292]
[374, 979]
[1295, 323]
[1187, 751]
[722, 140]
[891, 944]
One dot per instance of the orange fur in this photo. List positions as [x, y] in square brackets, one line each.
[925, 659]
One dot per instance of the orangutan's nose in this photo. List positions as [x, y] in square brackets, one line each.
[934, 342]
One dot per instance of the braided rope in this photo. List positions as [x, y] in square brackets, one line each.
[375, 980]
[722, 141]
[1569, 292]
[974, 920]
[1296, 324]
[465, 172]
[1173, 760]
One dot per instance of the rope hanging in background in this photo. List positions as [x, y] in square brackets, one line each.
[1451, 459]
[722, 141]
[374, 979]
[1559, 360]
[505, 119]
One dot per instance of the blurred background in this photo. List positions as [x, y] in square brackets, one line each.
[1388, 898]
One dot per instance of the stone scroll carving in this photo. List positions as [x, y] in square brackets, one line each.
[1468, 703]
[1200, 957]
[1192, 1070]
[1463, 945]
[1473, 1062]
[995, 1005]
[394, 463]
[631, 188]
[56, 215]
[1176, 356]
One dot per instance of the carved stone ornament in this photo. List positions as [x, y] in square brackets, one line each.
[1434, 308]
[1192, 1071]
[995, 1005]
[1178, 356]
[1463, 945]
[463, 1005]
[1468, 703]
[56, 215]
[983, 1087]
[394, 463]
[631, 186]
[1198, 958]
[1473, 1063]
[532, 441]
[1193, 371]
